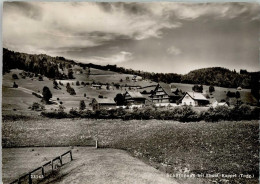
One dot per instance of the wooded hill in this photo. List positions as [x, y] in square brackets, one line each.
[51, 67]
[54, 67]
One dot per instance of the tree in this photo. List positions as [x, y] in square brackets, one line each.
[55, 84]
[119, 99]
[211, 89]
[40, 78]
[46, 93]
[197, 88]
[82, 105]
[77, 83]
[237, 94]
[14, 76]
[70, 74]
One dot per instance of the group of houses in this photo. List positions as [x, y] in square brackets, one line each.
[163, 95]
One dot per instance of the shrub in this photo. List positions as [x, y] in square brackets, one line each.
[71, 91]
[231, 94]
[74, 112]
[77, 83]
[15, 85]
[57, 115]
[14, 76]
[55, 84]
[61, 108]
[87, 114]
[37, 107]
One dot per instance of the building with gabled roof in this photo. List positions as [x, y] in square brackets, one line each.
[103, 103]
[194, 99]
[163, 94]
[134, 98]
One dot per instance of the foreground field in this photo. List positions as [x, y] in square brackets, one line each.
[18, 161]
[209, 148]
[89, 166]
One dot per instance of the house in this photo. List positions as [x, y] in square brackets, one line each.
[194, 99]
[96, 86]
[103, 103]
[137, 78]
[163, 94]
[134, 98]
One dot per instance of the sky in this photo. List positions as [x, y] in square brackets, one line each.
[167, 37]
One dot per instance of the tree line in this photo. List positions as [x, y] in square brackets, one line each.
[51, 67]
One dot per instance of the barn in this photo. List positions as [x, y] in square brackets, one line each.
[103, 103]
[134, 98]
[194, 99]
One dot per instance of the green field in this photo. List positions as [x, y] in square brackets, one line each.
[224, 147]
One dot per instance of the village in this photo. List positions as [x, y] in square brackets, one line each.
[161, 95]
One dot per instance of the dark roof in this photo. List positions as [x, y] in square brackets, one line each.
[135, 94]
[166, 88]
[105, 101]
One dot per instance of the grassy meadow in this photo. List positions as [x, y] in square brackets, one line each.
[174, 147]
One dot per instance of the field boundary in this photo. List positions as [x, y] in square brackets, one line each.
[41, 168]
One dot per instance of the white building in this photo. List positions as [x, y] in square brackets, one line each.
[194, 99]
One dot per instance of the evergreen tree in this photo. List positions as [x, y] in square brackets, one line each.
[46, 93]
[82, 105]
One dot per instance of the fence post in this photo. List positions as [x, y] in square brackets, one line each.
[52, 165]
[60, 160]
[70, 155]
[30, 178]
[96, 144]
[42, 170]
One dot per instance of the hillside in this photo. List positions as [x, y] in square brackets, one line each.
[218, 76]
[58, 67]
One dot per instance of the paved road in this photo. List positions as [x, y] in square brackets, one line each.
[108, 166]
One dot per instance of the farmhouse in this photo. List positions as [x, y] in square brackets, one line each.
[194, 99]
[134, 98]
[103, 103]
[137, 78]
[163, 94]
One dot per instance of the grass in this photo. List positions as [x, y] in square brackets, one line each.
[224, 147]
[17, 162]
[20, 99]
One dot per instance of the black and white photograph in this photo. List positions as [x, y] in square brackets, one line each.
[137, 92]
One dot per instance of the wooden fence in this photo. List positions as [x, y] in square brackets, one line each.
[28, 176]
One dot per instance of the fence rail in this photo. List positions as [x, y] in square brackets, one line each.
[29, 174]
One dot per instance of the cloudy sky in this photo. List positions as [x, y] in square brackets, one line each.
[156, 37]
